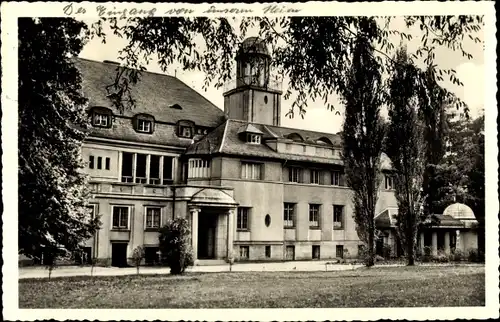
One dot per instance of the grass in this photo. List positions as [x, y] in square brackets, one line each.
[374, 287]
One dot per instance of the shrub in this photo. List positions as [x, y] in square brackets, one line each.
[475, 256]
[458, 255]
[387, 251]
[138, 256]
[426, 254]
[175, 245]
[441, 258]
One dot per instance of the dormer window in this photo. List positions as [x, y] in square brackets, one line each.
[186, 132]
[253, 138]
[143, 123]
[144, 126]
[186, 129]
[101, 117]
[101, 120]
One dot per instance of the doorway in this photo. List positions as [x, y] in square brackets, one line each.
[206, 235]
[119, 254]
[290, 253]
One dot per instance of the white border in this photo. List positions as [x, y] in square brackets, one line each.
[10, 12]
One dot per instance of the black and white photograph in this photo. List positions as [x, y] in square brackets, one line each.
[312, 161]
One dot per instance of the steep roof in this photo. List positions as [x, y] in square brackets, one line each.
[154, 93]
[226, 140]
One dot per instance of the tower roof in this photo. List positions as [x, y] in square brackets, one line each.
[254, 45]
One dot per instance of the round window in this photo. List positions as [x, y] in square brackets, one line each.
[265, 99]
[268, 220]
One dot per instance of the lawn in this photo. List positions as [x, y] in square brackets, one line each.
[374, 287]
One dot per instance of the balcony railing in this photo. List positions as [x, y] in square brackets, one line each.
[272, 84]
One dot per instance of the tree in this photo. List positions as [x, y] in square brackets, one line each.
[52, 120]
[313, 53]
[175, 245]
[460, 175]
[138, 256]
[363, 135]
[405, 146]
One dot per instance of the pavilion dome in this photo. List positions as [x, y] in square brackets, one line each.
[254, 45]
[459, 211]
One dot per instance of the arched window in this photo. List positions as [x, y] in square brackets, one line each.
[295, 137]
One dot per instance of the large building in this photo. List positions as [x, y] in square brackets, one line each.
[250, 188]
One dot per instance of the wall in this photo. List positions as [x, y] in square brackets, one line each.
[104, 152]
[262, 112]
[137, 235]
[263, 196]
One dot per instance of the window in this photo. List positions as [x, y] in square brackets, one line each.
[315, 251]
[389, 182]
[91, 210]
[99, 163]
[154, 169]
[91, 162]
[242, 219]
[140, 168]
[268, 251]
[141, 175]
[295, 174]
[153, 217]
[290, 253]
[127, 163]
[199, 168]
[244, 252]
[315, 176]
[340, 251]
[288, 215]
[167, 169]
[108, 163]
[120, 217]
[144, 126]
[101, 120]
[335, 178]
[186, 132]
[314, 216]
[253, 138]
[267, 220]
[338, 216]
[251, 170]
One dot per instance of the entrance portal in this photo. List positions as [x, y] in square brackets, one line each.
[207, 235]
[119, 254]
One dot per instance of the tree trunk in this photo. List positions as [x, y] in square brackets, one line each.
[371, 245]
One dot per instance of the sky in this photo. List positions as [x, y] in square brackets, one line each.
[318, 118]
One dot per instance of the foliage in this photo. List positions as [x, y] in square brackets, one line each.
[362, 135]
[462, 171]
[404, 144]
[137, 256]
[175, 245]
[315, 54]
[52, 120]
[441, 258]
[387, 251]
[458, 255]
[475, 256]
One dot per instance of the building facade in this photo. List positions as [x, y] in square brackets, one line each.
[250, 188]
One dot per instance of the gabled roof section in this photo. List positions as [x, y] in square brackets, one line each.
[210, 143]
[155, 94]
[249, 128]
[225, 140]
